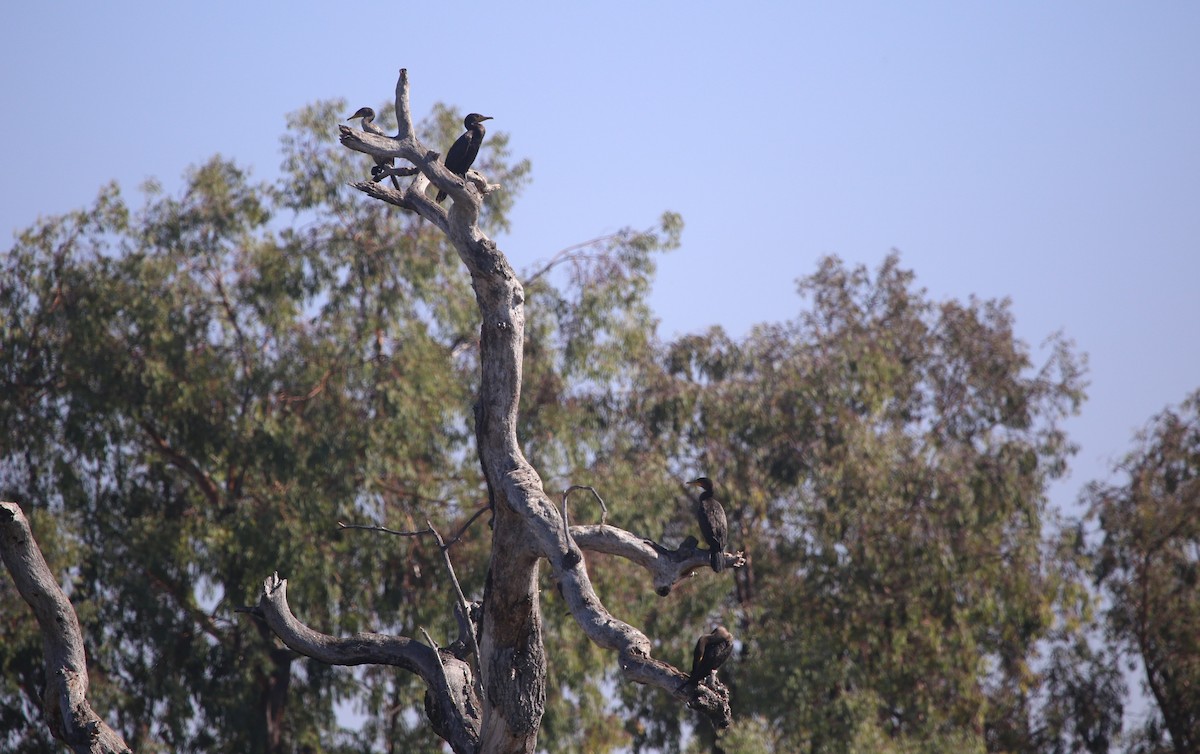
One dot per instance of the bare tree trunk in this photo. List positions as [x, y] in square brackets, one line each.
[514, 665]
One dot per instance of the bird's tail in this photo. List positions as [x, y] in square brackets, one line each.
[718, 560]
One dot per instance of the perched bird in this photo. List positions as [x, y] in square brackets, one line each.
[368, 125]
[463, 152]
[713, 525]
[712, 650]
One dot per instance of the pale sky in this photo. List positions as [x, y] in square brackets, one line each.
[1047, 152]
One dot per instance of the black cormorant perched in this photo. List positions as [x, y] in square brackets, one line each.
[463, 152]
[713, 525]
[368, 124]
[712, 650]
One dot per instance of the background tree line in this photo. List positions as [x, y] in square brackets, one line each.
[197, 389]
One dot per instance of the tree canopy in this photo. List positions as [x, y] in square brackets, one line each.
[1147, 565]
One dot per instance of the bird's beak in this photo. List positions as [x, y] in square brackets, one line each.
[486, 117]
[691, 484]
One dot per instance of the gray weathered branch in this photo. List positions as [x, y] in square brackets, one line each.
[667, 567]
[403, 111]
[567, 493]
[631, 645]
[449, 679]
[406, 146]
[70, 717]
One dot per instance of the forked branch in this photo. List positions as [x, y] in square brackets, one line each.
[667, 567]
[462, 609]
[406, 146]
[448, 678]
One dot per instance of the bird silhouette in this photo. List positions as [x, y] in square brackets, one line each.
[712, 650]
[713, 525]
[463, 152]
[368, 124]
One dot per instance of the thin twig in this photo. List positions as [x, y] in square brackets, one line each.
[463, 530]
[462, 603]
[432, 643]
[458, 592]
[572, 488]
[564, 255]
[437, 652]
[384, 529]
[453, 541]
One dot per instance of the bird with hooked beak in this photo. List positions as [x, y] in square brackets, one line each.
[712, 650]
[713, 525]
[368, 124]
[463, 152]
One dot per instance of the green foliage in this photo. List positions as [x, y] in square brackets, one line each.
[1148, 566]
[195, 398]
[883, 460]
[1084, 696]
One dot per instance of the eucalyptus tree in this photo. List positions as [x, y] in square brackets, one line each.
[886, 459]
[1148, 566]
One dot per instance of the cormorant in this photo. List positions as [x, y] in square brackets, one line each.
[368, 124]
[712, 650]
[713, 525]
[463, 152]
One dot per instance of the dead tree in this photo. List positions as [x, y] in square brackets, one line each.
[486, 692]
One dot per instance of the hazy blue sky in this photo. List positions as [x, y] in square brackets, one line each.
[1048, 152]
